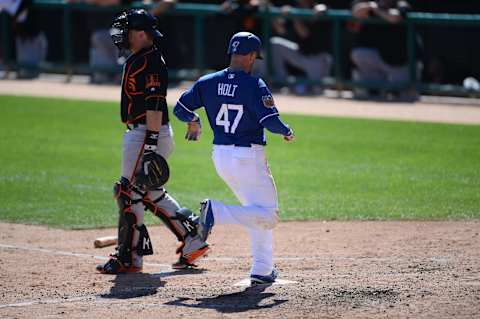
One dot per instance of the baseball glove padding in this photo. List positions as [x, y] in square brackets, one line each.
[154, 172]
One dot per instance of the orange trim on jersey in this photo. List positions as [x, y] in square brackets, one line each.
[153, 80]
[156, 95]
[125, 79]
[137, 118]
[125, 88]
[142, 67]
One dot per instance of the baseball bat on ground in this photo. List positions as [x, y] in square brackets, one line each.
[106, 241]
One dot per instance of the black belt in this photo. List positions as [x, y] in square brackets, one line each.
[134, 125]
[237, 145]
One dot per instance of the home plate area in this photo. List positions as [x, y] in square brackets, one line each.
[246, 282]
[417, 269]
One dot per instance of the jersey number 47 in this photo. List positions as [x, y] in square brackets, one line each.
[223, 120]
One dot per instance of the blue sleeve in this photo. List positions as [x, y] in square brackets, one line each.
[187, 103]
[275, 125]
[263, 103]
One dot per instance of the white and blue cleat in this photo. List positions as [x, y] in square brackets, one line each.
[263, 280]
[206, 219]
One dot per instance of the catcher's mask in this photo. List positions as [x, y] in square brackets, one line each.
[132, 19]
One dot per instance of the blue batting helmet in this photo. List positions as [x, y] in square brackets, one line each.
[243, 43]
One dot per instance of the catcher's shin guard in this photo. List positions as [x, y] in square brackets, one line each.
[181, 221]
[127, 226]
[192, 247]
[144, 245]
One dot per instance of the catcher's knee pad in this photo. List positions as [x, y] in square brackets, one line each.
[188, 219]
[123, 195]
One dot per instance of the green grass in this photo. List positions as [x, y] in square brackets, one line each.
[59, 160]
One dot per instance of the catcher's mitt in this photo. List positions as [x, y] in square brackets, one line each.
[154, 172]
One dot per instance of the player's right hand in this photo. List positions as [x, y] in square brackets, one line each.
[289, 137]
[194, 130]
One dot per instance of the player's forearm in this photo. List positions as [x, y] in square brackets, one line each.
[154, 120]
[275, 125]
[184, 114]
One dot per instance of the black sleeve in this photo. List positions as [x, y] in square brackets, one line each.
[156, 83]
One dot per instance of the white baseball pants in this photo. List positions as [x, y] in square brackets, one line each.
[245, 170]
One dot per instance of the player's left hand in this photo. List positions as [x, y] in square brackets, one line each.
[289, 137]
[194, 130]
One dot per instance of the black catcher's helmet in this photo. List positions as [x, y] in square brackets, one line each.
[132, 19]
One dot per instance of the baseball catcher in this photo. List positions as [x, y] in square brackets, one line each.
[147, 143]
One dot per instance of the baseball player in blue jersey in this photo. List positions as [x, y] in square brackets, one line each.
[239, 106]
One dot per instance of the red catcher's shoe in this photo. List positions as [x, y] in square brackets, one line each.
[113, 266]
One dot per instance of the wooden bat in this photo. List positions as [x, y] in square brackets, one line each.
[106, 241]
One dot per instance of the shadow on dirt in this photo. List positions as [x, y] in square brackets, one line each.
[126, 286]
[134, 285]
[180, 272]
[251, 298]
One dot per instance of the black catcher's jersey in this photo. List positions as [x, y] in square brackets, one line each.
[144, 86]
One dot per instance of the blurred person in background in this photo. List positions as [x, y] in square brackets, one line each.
[31, 44]
[103, 56]
[243, 12]
[161, 6]
[303, 44]
[379, 52]
[178, 31]
[242, 16]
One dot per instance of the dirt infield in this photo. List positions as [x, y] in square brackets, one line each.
[331, 270]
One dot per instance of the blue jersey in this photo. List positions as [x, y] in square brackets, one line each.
[236, 104]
